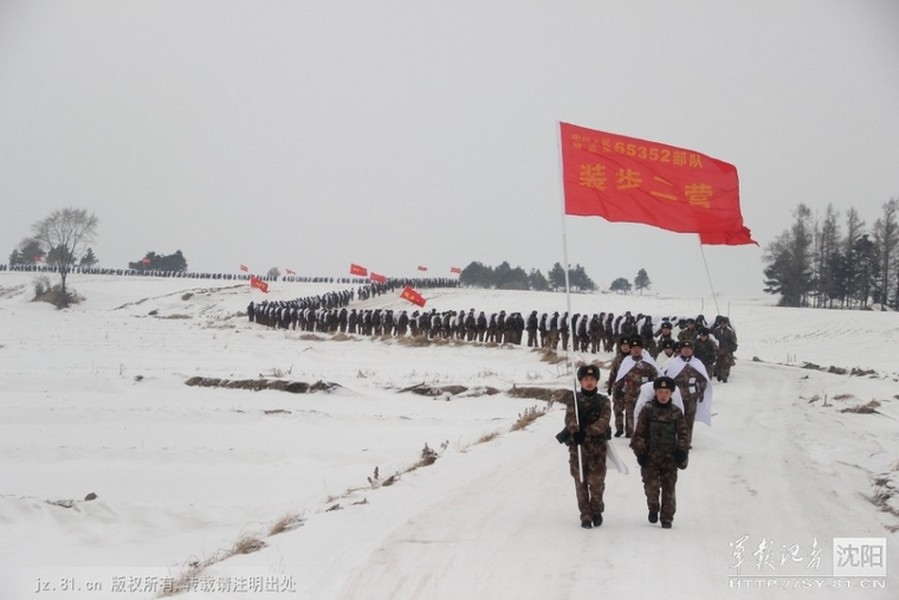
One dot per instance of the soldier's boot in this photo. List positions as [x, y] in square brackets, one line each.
[619, 432]
[586, 524]
[597, 520]
[653, 516]
[666, 524]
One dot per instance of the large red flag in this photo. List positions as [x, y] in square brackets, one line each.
[245, 268]
[728, 238]
[377, 278]
[258, 283]
[357, 270]
[422, 268]
[455, 270]
[412, 296]
[638, 181]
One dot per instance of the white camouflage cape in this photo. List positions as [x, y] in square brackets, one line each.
[613, 461]
[704, 407]
[628, 363]
[647, 393]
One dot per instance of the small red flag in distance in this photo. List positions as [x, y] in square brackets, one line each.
[412, 296]
[258, 284]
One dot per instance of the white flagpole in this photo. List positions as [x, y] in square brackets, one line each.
[708, 275]
[568, 364]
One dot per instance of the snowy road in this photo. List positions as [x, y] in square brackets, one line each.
[509, 527]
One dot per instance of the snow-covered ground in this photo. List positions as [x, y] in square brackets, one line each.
[93, 400]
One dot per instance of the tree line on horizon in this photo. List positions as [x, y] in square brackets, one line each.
[816, 263]
[505, 277]
[62, 241]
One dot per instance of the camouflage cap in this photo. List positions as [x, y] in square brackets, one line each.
[588, 371]
[663, 383]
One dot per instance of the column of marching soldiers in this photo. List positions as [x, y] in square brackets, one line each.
[600, 332]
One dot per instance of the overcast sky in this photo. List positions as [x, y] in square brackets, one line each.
[395, 133]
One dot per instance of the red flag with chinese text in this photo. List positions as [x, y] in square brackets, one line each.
[624, 179]
[258, 284]
[357, 270]
[455, 270]
[726, 238]
[421, 268]
[377, 278]
[245, 268]
[412, 296]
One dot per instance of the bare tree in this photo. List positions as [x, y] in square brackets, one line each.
[65, 234]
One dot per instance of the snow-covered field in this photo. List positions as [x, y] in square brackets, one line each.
[93, 400]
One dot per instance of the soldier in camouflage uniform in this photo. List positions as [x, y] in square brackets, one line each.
[636, 369]
[660, 446]
[669, 350]
[553, 332]
[689, 333]
[617, 392]
[692, 380]
[594, 330]
[705, 349]
[564, 333]
[727, 345]
[664, 333]
[608, 333]
[648, 336]
[589, 429]
[543, 329]
[531, 328]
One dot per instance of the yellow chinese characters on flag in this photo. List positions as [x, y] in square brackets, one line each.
[625, 179]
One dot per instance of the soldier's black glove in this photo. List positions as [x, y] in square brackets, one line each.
[642, 460]
[680, 458]
[579, 437]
